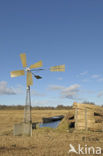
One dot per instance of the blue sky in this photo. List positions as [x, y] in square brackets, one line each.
[56, 32]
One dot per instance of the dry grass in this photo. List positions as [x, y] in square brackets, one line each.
[45, 141]
[10, 117]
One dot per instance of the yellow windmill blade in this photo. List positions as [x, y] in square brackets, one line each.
[60, 68]
[23, 59]
[29, 78]
[17, 73]
[36, 65]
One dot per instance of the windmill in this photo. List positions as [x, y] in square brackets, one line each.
[29, 71]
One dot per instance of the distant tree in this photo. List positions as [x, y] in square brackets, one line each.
[87, 102]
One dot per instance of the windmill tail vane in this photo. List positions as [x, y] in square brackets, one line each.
[58, 68]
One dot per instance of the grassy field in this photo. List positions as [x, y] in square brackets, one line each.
[44, 141]
[10, 117]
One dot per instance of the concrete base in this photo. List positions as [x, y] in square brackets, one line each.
[23, 129]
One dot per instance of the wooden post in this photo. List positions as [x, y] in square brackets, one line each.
[86, 128]
[76, 118]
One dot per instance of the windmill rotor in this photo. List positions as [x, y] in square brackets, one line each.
[27, 69]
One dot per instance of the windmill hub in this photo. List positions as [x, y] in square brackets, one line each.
[27, 69]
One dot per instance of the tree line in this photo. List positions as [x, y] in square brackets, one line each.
[21, 107]
[58, 107]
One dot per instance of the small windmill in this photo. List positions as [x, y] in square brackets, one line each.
[29, 81]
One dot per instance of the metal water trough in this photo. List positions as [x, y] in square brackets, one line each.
[51, 119]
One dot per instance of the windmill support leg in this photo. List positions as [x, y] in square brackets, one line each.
[27, 109]
[25, 128]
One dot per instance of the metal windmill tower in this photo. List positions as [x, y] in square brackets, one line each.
[29, 81]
